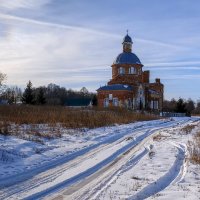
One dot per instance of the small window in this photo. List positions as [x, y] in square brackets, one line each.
[129, 103]
[106, 102]
[110, 96]
[156, 104]
[115, 101]
[121, 70]
[132, 70]
[152, 107]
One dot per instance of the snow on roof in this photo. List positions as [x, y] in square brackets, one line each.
[153, 91]
[116, 87]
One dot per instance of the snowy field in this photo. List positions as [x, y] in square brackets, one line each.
[135, 161]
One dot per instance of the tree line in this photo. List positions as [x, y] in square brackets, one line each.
[45, 95]
[54, 95]
[181, 106]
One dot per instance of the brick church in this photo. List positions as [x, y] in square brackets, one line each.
[130, 86]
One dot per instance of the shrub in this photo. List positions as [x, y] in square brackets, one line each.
[188, 129]
[194, 149]
[26, 119]
[69, 117]
[4, 128]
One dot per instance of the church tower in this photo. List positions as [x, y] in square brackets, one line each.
[127, 68]
[127, 44]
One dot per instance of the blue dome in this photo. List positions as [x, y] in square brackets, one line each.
[127, 38]
[127, 58]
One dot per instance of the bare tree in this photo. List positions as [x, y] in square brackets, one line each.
[190, 105]
[197, 109]
[12, 94]
[84, 91]
[2, 79]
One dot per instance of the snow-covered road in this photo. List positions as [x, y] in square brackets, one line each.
[172, 175]
[88, 171]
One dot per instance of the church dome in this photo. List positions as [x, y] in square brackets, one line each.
[128, 39]
[127, 58]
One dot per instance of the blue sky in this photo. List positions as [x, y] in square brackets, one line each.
[73, 43]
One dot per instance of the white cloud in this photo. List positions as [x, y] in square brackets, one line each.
[60, 53]
[16, 4]
[160, 44]
[172, 68]
[22, 20]
[183, 77]
[173, 64]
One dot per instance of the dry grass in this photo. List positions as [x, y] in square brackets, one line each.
[196, 115]
[159, 137]
[71, 118]
[4, 128]
[194, 149]
[188, 129]
[65, 117]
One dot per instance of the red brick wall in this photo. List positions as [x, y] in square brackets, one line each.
[145, 76]
[129, 79]
[121, 95]
[159, 87]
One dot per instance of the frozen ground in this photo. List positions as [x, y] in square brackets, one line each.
[118, 162]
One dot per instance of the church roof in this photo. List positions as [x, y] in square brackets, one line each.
[116, 87]
[127, 38]
[127, 58]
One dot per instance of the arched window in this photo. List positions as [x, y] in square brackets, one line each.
[106, 102]
[115, 101]
[121, 70]
[132, 70]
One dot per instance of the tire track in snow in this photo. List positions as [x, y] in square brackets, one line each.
[93, 169]
[109, 140]
[81, 176]
[100, 186]
[50, 176]
[89, 191]
[131, 163]
[9, 181]
[55, 173]
[174, 175]
[184, 167]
